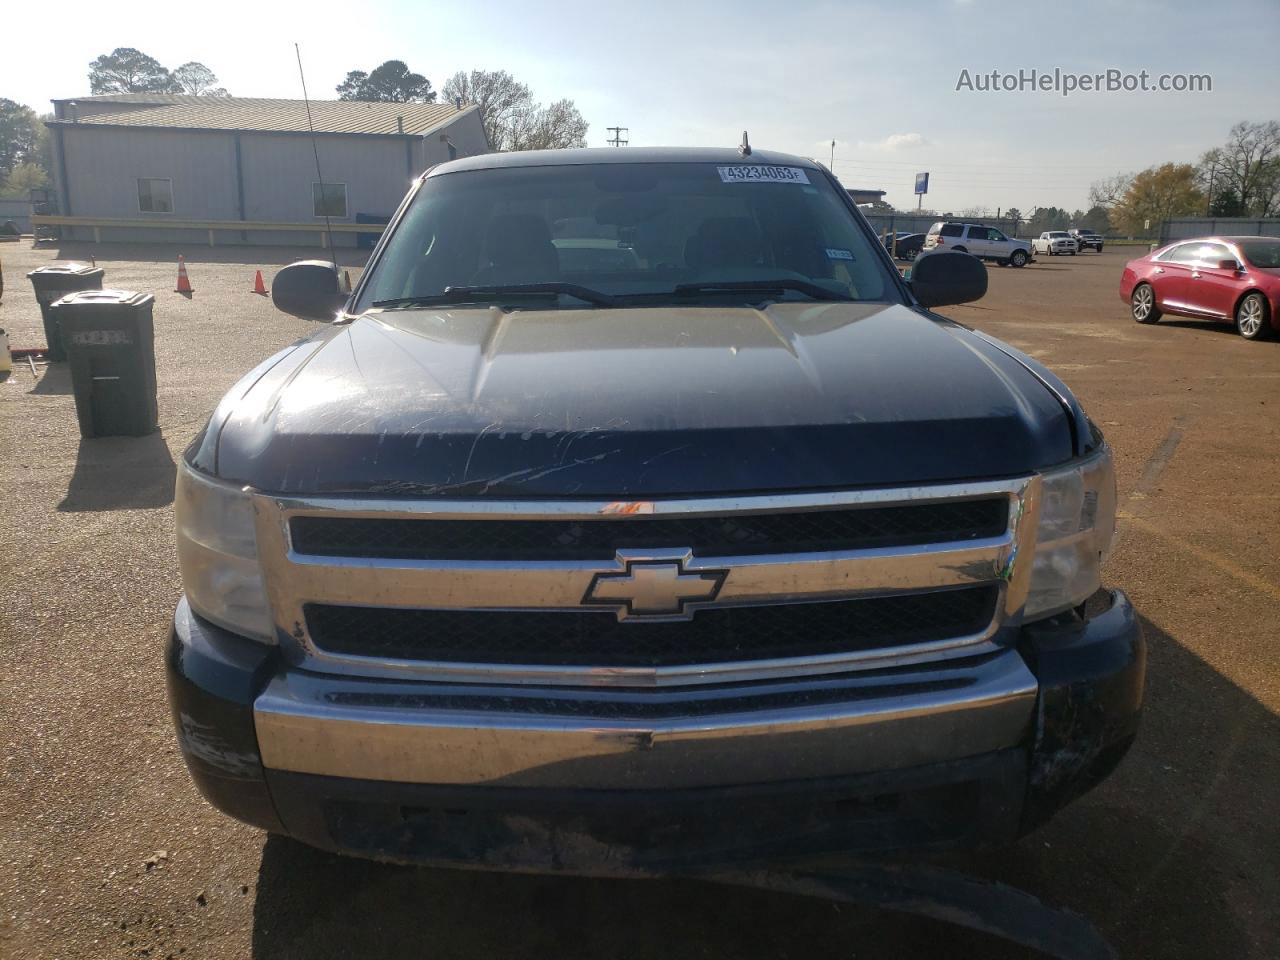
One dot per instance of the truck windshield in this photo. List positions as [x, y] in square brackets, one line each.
[609, 234]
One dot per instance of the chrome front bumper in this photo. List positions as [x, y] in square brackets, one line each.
[966, 752]
[416, 733]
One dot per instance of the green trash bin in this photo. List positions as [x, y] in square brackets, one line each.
[110, 345]
[53, 283]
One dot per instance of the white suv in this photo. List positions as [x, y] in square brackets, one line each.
[1054, 242]
[985, 242]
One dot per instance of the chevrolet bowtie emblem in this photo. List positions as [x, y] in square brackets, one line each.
[654, 588]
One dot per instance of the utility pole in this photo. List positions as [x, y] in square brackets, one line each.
[618, 139]
[1208, 204]
[832, 167]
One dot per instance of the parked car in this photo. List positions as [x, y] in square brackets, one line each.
[905, 246]
[973, 238]
[1228, 279]
[1086, 239]
[1054, 243]
[735, 553]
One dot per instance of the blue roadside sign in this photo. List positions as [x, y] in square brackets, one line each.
[922, 183]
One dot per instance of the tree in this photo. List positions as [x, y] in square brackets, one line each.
[349, 89]
[1014, 214]
[1106, 193]
[1248, 165]
[512, 120]
[126, 70]
[24, 178]
[1158, 193]
[392, 82]
[1096, 219]
[20, 132]
[498, 95]
[197, 80]
[975, 213]
[1048, 218]
[1226, 203]
[547, 128]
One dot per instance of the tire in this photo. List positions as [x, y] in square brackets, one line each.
[1252, 317]
[1142, 304]
[1018, 258]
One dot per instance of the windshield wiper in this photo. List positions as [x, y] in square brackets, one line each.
[759, 286]
[481, 294]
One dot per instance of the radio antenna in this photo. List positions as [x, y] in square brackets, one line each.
[324, 200]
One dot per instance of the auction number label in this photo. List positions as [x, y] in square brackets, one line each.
[760, 173]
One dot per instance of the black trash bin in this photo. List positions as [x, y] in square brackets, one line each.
[111, 347]
[54, 282]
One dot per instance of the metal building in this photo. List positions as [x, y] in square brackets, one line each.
[147, 158]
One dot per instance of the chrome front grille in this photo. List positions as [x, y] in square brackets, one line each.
[725, 535]
[720, 635]
[510, 592]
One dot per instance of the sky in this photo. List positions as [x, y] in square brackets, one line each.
[880, 79]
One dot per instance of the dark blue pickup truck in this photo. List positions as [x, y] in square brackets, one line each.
[634, 513]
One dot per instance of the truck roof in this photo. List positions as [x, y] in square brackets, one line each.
[592, 155]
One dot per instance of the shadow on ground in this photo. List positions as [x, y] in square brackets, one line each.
[54, 379]
[1165, 859]
[121, 473]
[1211, 326]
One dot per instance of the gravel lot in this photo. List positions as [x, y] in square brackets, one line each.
[107, 851]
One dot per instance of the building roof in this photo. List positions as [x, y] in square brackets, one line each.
[587, 155]
[182, 112]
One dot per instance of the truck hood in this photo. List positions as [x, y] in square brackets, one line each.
[642, 402]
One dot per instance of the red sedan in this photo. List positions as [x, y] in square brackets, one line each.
[1231, 279]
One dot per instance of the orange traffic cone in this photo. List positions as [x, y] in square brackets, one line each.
[184, 284]
[259, 287]
[346, 280]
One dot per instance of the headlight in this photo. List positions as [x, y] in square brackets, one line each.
[218, 555]
[1077, 520]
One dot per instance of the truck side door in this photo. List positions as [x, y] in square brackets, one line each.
[976, 241]
[998, 244]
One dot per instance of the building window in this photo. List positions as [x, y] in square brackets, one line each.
[155, 196]
[329, 200]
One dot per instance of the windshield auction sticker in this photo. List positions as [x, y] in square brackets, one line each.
[758, 173]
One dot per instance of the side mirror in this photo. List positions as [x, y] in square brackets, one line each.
[1228, 265]
[308, 289]
[939, 279]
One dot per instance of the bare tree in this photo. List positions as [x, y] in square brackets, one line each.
[1247, 165]
[512, 120]
[551, 127]
[498, 95]
[1109, 191]
[197, 80]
